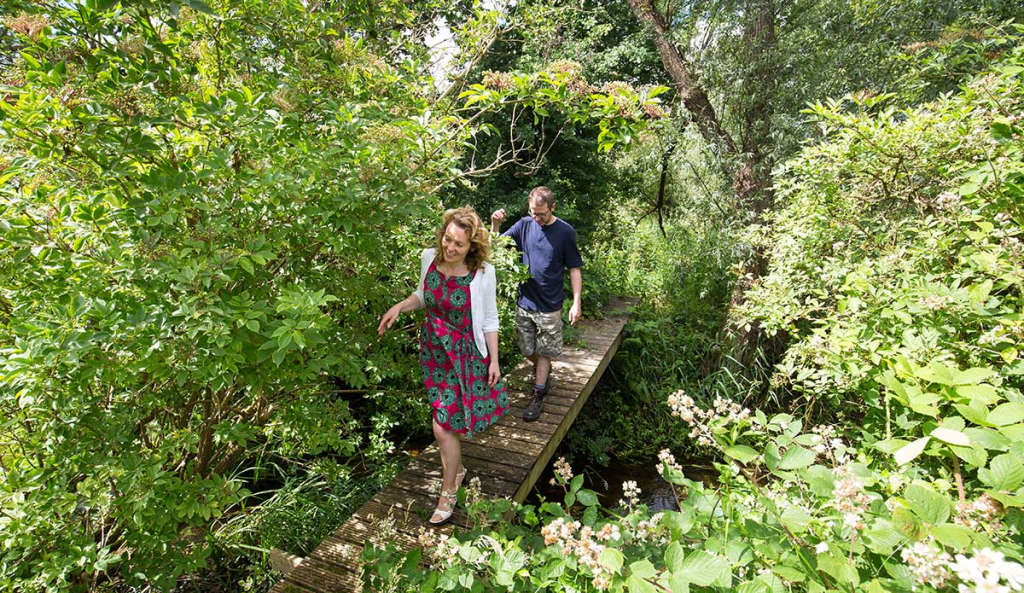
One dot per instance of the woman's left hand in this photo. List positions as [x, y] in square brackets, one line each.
[493, 373]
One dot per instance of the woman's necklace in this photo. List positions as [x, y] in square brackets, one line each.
[448, 271]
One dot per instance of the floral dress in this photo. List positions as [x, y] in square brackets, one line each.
[454, 371]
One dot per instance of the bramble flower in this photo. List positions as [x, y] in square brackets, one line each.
[665, 457]
[986, 570]
[982, 512]
[821, 548]
[927, 563]
[1013, 245]
[849, 498]
[567, 67]
[700, 420]
[579, 541]
[631, 492]
[651, 530]
[29, 25]
[563, 472]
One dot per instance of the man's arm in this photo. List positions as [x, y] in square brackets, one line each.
[576, 279]
[496, 218]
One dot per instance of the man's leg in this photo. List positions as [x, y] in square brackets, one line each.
[548, 346]
[541, 367]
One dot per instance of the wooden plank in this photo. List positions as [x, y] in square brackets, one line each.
[286, 586]
[498, 453]
[321, 577]
[340, 552]
[485, 469]
[492, 439]
[508, 459]
[495, 486]
[549, 450]
[523, 433]
[410, 510]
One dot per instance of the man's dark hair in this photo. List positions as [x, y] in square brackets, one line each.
[543, 193]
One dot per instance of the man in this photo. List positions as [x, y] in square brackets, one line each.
[549, 247]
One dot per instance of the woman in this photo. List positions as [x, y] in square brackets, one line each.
[457, 287]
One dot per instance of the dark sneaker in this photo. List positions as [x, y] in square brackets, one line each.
[532, 411]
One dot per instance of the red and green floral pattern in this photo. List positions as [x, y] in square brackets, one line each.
[454, 370]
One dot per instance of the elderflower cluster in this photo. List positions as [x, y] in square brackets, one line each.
[1002, 333]
[582, 542]
[630, 493]
[665, 457]
[927, 563]
[498, 80]
[700, 420]
[987, 570]
[934, 302]
[947, 200]
[563, 472]
[849, 498]
[982, 512]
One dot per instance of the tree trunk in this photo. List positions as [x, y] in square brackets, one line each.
[691, 94]
[752, 176]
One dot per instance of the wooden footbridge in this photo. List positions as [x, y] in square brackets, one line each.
[508, 459]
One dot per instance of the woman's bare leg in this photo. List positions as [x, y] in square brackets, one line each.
[451, 460]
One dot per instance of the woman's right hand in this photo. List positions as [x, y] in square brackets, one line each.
[389, 319]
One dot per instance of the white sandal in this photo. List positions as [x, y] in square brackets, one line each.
[446, 516]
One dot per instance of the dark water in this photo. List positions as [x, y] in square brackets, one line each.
[655, 492]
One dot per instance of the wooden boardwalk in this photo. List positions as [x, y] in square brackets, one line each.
[508, 459]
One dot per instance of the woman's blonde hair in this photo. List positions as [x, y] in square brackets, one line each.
[468, 220]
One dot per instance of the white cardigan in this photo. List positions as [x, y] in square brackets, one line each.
[483, 300]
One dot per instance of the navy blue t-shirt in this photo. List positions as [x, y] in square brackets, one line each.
[547, 251]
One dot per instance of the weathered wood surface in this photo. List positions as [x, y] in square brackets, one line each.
[508, 459]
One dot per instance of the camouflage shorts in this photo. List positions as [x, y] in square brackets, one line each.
[539, 333]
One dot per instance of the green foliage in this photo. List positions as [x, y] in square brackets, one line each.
[896, 273]
[205, 209]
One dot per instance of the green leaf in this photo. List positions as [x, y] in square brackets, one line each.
[705, 570]
[643, 569]
[639, 585]
[911, 451]
[1008, 413]
[927, 503]
[882, 537]
[796, 457]
[246, 265]
[953, 536]
[907, 523]
[611, 559]
[674, 557]
[587, 498]
[1005, 472]
[923, 402]
[576, 483]
[741, 453]
[840, 568]
[796, 519]
[988, 438]
[973, 376]
[953, 437]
